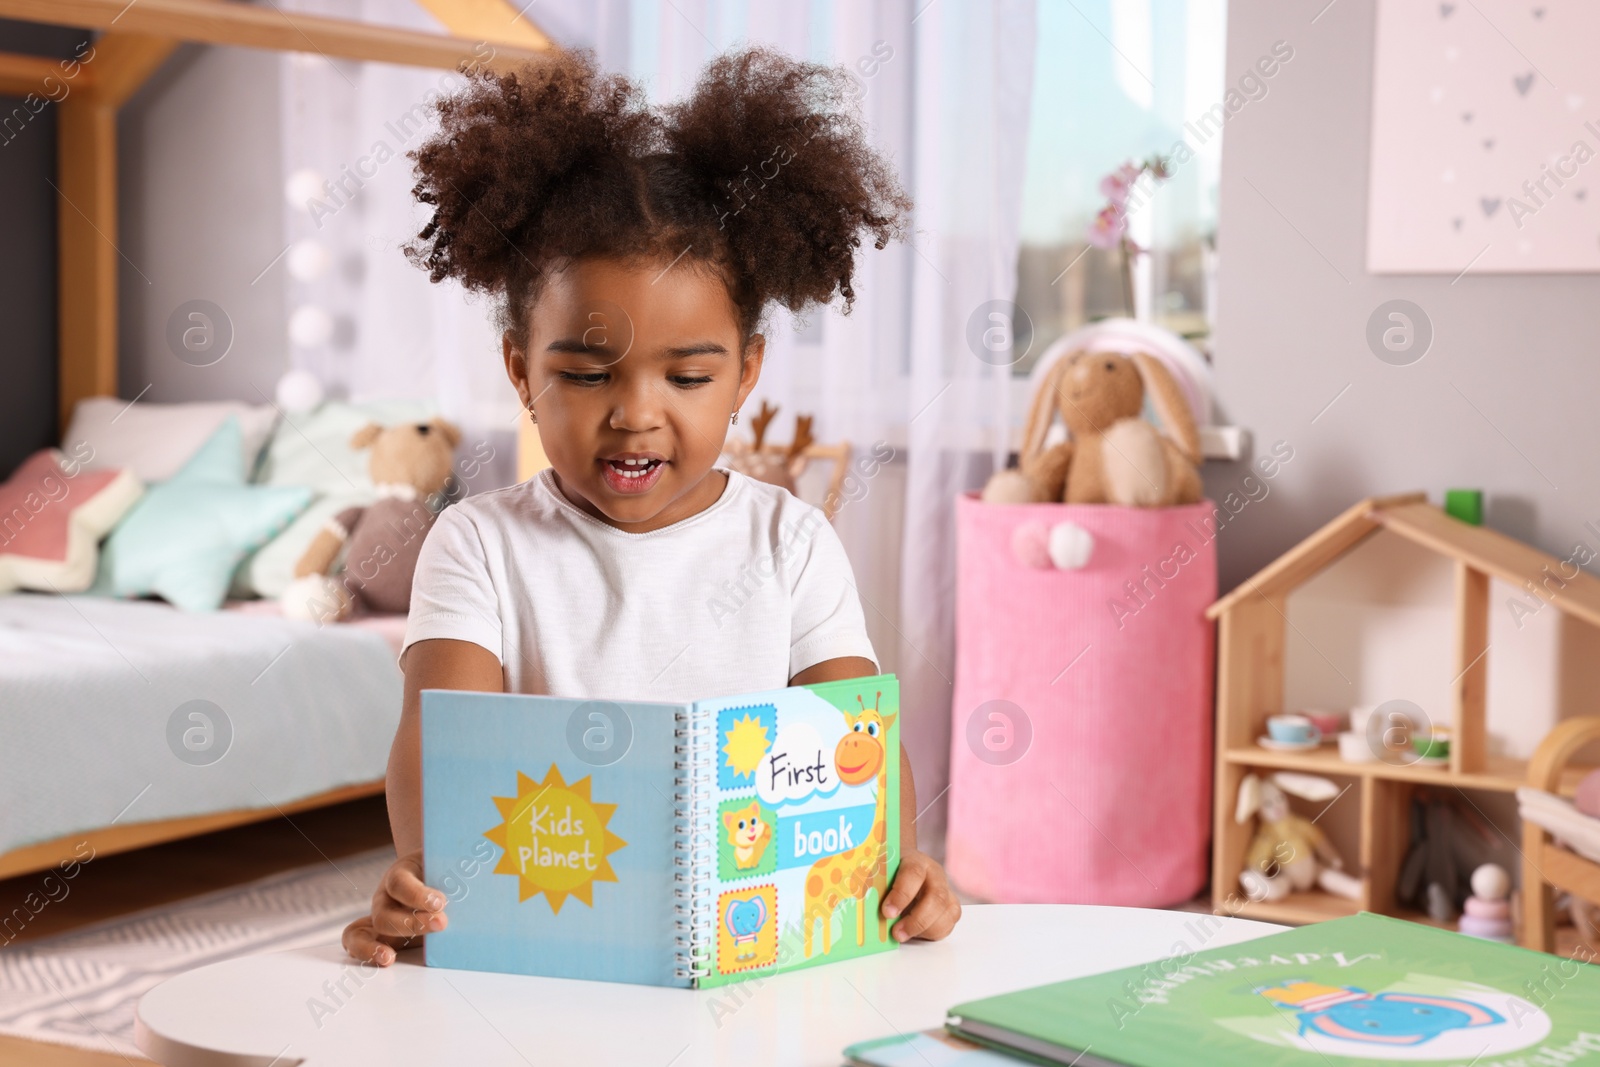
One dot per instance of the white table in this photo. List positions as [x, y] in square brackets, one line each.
[261, 1010]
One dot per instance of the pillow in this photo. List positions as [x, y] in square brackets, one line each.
[53, 514]
[185, 536]
[313, 449]
[155, 440]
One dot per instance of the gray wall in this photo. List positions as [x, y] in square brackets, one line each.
[202, 217]
[1506, 400]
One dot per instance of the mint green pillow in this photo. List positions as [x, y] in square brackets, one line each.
[185, 536]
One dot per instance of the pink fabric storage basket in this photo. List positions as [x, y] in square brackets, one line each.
[1110, 664]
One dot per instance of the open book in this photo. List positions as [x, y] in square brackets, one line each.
[661, 843]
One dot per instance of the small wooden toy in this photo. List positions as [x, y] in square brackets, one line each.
[1464, 504]
[1487, 913]
[758, 460]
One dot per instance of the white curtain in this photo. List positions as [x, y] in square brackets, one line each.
[368, 324]
[974, 82]
[944, 87]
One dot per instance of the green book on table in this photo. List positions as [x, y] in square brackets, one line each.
[1362, 988]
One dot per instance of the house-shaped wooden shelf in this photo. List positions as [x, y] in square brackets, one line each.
[1254, 629]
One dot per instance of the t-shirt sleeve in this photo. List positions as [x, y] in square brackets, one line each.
[452, 595]
[826, 621]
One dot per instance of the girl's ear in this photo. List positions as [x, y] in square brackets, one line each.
[755, 350]
[516, 367]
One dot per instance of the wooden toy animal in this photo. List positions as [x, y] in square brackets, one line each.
[782, 468]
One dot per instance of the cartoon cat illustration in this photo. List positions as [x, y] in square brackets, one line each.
[1353, 1014]
[744, 920]
[748, 834]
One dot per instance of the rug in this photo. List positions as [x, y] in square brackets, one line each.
[81, 988]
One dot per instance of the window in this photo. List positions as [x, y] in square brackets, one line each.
[1118, 81]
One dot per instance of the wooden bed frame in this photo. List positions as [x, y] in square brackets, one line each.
[1546, 866]
[110, 840]
[135, 39]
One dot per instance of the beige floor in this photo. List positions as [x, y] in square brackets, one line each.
[117, 885]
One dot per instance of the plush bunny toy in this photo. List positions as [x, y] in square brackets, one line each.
[1289, 853]
[1113, 456]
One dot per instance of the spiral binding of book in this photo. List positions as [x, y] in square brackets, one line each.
[694, 820]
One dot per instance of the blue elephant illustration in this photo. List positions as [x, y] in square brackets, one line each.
[744, 920]
[1353, 1014]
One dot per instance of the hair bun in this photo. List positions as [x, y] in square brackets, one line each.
[507, 146]
[788, 171]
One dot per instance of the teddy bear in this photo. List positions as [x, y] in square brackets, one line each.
[410, 466]
[1113, 455]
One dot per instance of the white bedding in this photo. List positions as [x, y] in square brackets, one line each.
[88, 684]
[1558, 815]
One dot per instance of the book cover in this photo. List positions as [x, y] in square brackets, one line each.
[1365, 987]
[549, 825]
[661, 843]
[807, 792]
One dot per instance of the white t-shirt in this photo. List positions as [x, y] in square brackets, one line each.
[741, 597]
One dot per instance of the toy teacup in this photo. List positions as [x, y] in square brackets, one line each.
[1293, 729]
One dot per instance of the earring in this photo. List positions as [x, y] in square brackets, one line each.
[533, 416]
[733, 420]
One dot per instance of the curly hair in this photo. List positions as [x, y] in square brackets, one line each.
[762, 175]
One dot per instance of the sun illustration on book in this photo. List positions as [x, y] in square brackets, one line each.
[747, 743]
[554, 839]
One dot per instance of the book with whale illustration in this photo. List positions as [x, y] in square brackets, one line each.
[679, 844]
[1361, 988]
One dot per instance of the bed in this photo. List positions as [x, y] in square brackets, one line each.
[87, 685]
[89, 688]
[1560, 845]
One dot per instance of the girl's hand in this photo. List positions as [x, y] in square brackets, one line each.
[403, 910]
[922, 897]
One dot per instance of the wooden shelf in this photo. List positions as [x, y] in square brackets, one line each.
[1297, 909]
[1500, 773]
[1316, 906]
[42, 855]
[1424, 918]
[1252, 636]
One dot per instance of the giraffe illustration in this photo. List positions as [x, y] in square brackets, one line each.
[859, 757]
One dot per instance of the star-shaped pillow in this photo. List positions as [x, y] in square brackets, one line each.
[53, 514]
[185, 536]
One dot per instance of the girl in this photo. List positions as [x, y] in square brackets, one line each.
[632, 252]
